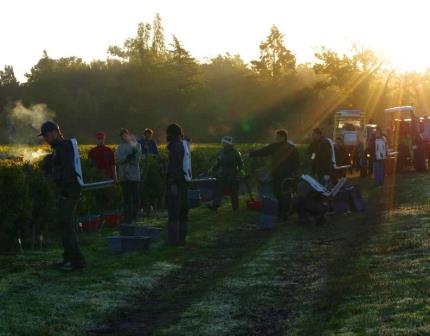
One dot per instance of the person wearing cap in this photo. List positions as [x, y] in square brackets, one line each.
[149, 146]
[228, 168]
[285, 162]
[102, 157]
[127, 159]
[177, 187]
[62, 171]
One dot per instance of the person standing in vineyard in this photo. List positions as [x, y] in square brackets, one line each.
[149, 146]
[177, 187]
[228, 169]
[102, 157]
[127, 158]
[62, 171]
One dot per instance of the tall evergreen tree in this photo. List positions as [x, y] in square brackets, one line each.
[275, 59]
[158, 43]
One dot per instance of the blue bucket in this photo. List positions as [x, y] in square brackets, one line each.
[267, 222]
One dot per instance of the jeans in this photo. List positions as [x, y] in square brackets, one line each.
[177, 202]
[131, 198]
[227, 184]
[66, 211]
[378, 172]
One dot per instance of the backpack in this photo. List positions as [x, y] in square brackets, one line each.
[186, 163]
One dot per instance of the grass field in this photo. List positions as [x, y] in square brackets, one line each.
[360, 274]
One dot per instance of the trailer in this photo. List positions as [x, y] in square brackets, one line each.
[351, 127]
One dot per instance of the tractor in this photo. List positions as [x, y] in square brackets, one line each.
[409, 135]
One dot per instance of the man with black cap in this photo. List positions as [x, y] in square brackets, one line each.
[62, 172]
[177, 187]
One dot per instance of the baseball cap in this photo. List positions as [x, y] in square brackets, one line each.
[100, 135]
[47, 127]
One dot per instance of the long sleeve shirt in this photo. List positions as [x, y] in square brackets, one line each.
[285, 158]
[322, 163]
[229, 163]
[127, 159]
[62, 166]
[175, 168]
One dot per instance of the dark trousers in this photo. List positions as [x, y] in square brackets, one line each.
[177, 201]
[131, 199]
[378, 172]
[66, 211]
[282, 192]
[230, 185]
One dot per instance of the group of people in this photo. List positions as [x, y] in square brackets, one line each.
[284, 173]
[123, 166]
[369, 159]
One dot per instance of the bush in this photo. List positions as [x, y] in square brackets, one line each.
[27, 198]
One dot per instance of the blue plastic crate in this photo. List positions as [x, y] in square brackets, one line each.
[139, 231]
[267, 222]
[120, 244]
[194, 198]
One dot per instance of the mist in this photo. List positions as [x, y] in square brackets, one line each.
[24, 122]
[22, 127]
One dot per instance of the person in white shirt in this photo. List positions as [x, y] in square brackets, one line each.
[378, 149]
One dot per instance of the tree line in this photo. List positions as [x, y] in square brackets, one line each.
[148, 82]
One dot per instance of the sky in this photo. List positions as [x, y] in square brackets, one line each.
[397, 30]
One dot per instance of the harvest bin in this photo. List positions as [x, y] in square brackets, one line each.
[112, 218]
[194, 198]
[136, 230]
[128, 243]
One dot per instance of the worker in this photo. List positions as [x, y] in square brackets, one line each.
[378, 154]
[127, 159]
[102, 157]
[177, 186]
[342, 157]
[62, 171]
[228, 168]
[285, 163]
[149, 146]
[418, 147]
[322, 157]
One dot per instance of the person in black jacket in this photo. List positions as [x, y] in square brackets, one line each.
[177, 187]
[228, 168]
[285, 165]
[322, 157]
[61, 170]
[342, 157]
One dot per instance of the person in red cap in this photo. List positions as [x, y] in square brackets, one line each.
[103, 157]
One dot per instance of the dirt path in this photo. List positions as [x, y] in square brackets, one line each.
[255, 283]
